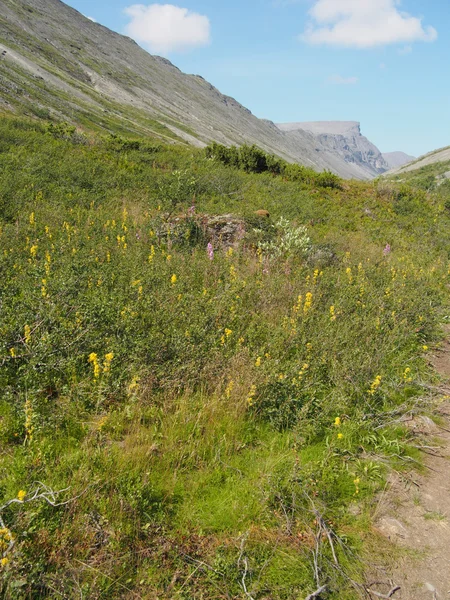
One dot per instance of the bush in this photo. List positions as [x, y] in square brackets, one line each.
[290, 241]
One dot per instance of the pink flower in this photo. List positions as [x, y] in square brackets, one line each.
[387, 250]
[210, 251]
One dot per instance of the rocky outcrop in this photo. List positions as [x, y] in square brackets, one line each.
[344, 140]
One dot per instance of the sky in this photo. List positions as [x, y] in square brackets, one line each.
[384, 63]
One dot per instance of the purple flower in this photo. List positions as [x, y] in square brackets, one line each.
[191, 211]
[387, 250]
[210, 251]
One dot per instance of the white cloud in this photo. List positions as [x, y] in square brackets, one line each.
[364, 24]
[406, 50]
[166, 28]
[339, 80]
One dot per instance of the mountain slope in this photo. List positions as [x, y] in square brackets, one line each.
[438, 156]
[397, 159]
[55, 62]
[344, 140]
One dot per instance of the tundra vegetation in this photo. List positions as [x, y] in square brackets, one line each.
[181, 418]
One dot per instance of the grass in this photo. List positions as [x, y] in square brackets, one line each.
[209, 417]
[435, 516]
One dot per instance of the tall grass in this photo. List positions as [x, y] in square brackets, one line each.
[199, 407]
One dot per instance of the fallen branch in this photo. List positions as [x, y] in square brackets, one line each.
[245, 572]
[316, 593]
[389, 595]
[42, 492]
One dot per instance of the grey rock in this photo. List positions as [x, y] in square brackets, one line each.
[321, 257]
[224, 230]
[392, 528]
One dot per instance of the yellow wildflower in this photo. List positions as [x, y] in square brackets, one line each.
[229, 389]
[101, 423]
[107, 362]
[32, 219]
[340, 436]
[33, 250]
[337, 422]
[4, 561]
[251, 395]
[173, 279]
[258, 362]
[12, 351]
[133, 385]
[28, 421]
[93, 358]
[425, 348]
[27, 334]
[298, 306]
[308, 303]
[375, 385]
[332, 313]
[21, 495]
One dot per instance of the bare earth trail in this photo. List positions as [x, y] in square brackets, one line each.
[415, 514]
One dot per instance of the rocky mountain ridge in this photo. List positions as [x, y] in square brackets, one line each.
[55, 63]
[397, 159]
[344, 139]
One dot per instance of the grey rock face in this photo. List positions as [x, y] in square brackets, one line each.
[344, 139]
[54, 59]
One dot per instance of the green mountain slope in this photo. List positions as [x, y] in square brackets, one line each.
[434, 159]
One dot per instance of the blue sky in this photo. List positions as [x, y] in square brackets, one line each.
[384, 63]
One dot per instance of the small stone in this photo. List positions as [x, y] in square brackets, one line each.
[392, 527]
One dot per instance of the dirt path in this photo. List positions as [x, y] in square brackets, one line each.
[415, 514]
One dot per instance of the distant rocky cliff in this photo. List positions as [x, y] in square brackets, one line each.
[344, 139]
[397, 159]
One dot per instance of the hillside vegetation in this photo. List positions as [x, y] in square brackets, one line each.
[433, 177]
[182, 417]
[434, 160]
